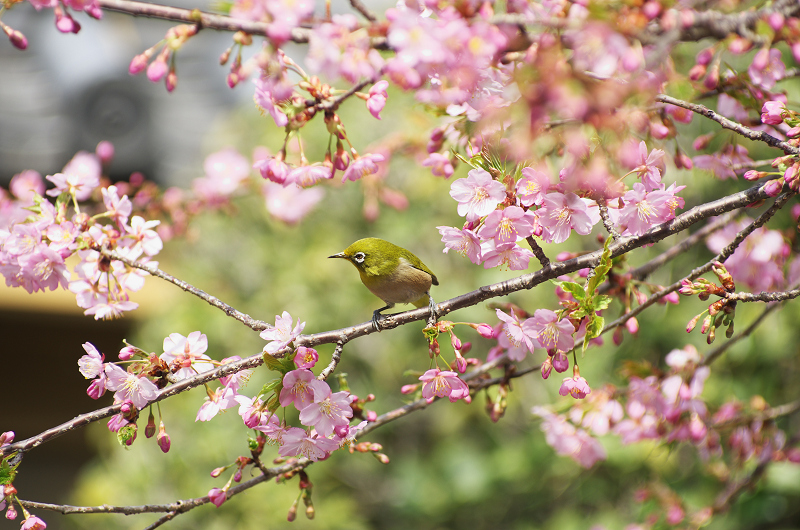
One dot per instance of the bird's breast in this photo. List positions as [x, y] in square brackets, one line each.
[405, 285]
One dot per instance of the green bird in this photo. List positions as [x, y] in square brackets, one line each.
[392, 273]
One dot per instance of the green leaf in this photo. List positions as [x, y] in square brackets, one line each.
[574, 289]
[601, 302]
[272, 363]
[272, 386]
[593, 329]
[7, 471]
[601, 271]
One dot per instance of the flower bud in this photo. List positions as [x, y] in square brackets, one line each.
[163, 438]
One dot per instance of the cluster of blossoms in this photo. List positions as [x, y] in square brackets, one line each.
[37, 237]
[666, 407]
[137, 385]
[499, 215]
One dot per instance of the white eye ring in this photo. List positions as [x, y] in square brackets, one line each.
[359, 257]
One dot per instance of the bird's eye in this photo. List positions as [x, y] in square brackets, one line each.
[359, 257]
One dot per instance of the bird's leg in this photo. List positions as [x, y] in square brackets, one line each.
[434, 311]
[377, 315]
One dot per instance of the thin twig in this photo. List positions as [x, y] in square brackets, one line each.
[643, 271]
[538, 252]
[361, 8]
[335, 358]
[699, 271]
[714, 354]
[758, 136]
[603, 206]
[151, 269]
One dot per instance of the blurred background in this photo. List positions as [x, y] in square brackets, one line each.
[451, 467]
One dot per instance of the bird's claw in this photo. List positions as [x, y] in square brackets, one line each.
[375, 317]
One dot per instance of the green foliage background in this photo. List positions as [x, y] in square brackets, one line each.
[451, 467]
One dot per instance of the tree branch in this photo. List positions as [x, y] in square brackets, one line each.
[758, 136]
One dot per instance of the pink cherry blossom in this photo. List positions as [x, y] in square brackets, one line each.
[440, 165]
[561, 213]
[550, 332]
[220, 399]
[723, 162]
[33, 523]
[767, 68]
[140, 390]
[297, 442]
[267, 103]
[26, 184]
[80, 176]
[377, 98]
[306, 357]
[438, 383]
[575, 386]
[340, 50]
[91, 364]
[117, 208]
[187, 354]
[146, 239]
[477, 195]
[291, 203]
[568, 440]
[507, 226]
[308, 175]
[463, 241]
[362, 166]
[515, 257]
[644, 210]
[512, 327]
[328, 410]
[532, 187]
[297, 388]
[273, 168]
[650, 167]
[282, 333]
[252, 411]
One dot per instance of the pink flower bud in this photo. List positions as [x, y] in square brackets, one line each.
[407, 389]
[486, 331]
[560, 362]
[7, 438]
[163, 438]
[17, 39]
[372, 416]
[651, 10]
[773, 187]
[138, 64]
[158, 68]
[11, 513]
[171, 81]
[632, 325]
[704, 56]
[547, 367]
[218, 497]
[697, 72]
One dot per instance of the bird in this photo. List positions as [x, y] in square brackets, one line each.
[391, 273]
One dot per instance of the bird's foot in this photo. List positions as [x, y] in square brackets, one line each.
[375, 317]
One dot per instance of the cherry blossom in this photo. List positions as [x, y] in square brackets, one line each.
[477, 195]
[643, 210]
[328, 410]
[507, 226]
[297, 442]
[515, 257]
[282, 333]
[438, 383]
[220, 399]
[561, 213]
[290, 204]
[297, 388]
[140, 390]
[91, 364]
[532, 187]
[767, 68]
[550, 332]
[463, 241]
[187, 354]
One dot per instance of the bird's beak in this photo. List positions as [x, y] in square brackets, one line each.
[339, 255]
